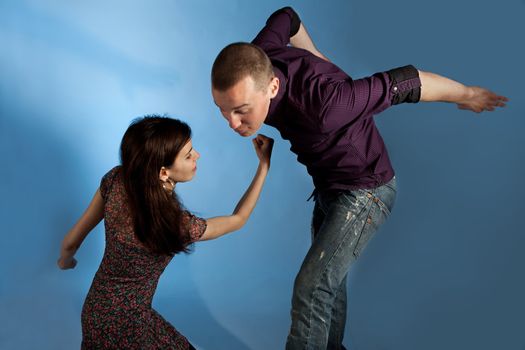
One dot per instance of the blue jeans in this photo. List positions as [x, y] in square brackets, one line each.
[343, 222]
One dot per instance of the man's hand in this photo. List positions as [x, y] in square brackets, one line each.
[481, 99]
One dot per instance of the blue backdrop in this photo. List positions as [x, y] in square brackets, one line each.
[445, 272]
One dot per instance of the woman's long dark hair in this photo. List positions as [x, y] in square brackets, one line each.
[150, 143]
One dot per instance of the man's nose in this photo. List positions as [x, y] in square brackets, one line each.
[234, 122]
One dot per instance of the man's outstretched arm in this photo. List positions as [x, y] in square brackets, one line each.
[284, 27]
[433, 86]
[474, 98]
[303, 40]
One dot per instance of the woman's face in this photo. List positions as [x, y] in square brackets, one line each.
[185, 165]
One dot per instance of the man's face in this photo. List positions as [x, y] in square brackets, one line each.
[244, 105]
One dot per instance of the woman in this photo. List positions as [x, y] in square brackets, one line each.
[146, 226]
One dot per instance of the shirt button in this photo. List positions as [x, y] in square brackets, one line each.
[395, 88]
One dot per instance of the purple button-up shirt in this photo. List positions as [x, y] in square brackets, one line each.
[327, 116]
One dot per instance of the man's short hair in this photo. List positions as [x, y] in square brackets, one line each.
[237, 61]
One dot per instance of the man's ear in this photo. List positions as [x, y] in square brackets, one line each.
[273, 88]
[163, 174]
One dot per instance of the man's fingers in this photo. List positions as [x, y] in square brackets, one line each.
[470, 108]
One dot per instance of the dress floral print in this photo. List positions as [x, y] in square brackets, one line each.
[117, 312]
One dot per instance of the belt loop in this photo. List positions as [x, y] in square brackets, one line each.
[314, 195]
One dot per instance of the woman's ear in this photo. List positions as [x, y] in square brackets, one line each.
[164, 174]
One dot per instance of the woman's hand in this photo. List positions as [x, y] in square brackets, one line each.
[263, 147]
[66, 263]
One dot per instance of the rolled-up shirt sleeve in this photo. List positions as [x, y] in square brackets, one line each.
[280, 27]
[405, 85]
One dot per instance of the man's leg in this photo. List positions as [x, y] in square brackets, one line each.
[351, 218]
[338, 320]
[324, 268]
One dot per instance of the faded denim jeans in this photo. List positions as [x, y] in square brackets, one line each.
[343, 222]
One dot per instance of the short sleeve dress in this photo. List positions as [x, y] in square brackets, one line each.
[117, 312]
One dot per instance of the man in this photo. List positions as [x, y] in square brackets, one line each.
[327, 117]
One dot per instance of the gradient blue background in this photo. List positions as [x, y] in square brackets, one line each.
[445, 272]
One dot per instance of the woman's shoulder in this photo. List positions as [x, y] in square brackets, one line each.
[113, 171]
[108, 179]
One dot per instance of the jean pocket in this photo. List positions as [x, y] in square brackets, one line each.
[385, 196]
[368, 230]
[382, 206]
[392, 184]
[374, 197]
[377, 215]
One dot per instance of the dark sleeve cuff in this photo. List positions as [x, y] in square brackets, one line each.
[405, 85]
[295, 19]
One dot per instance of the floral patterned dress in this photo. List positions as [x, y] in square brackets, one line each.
[117, 312]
